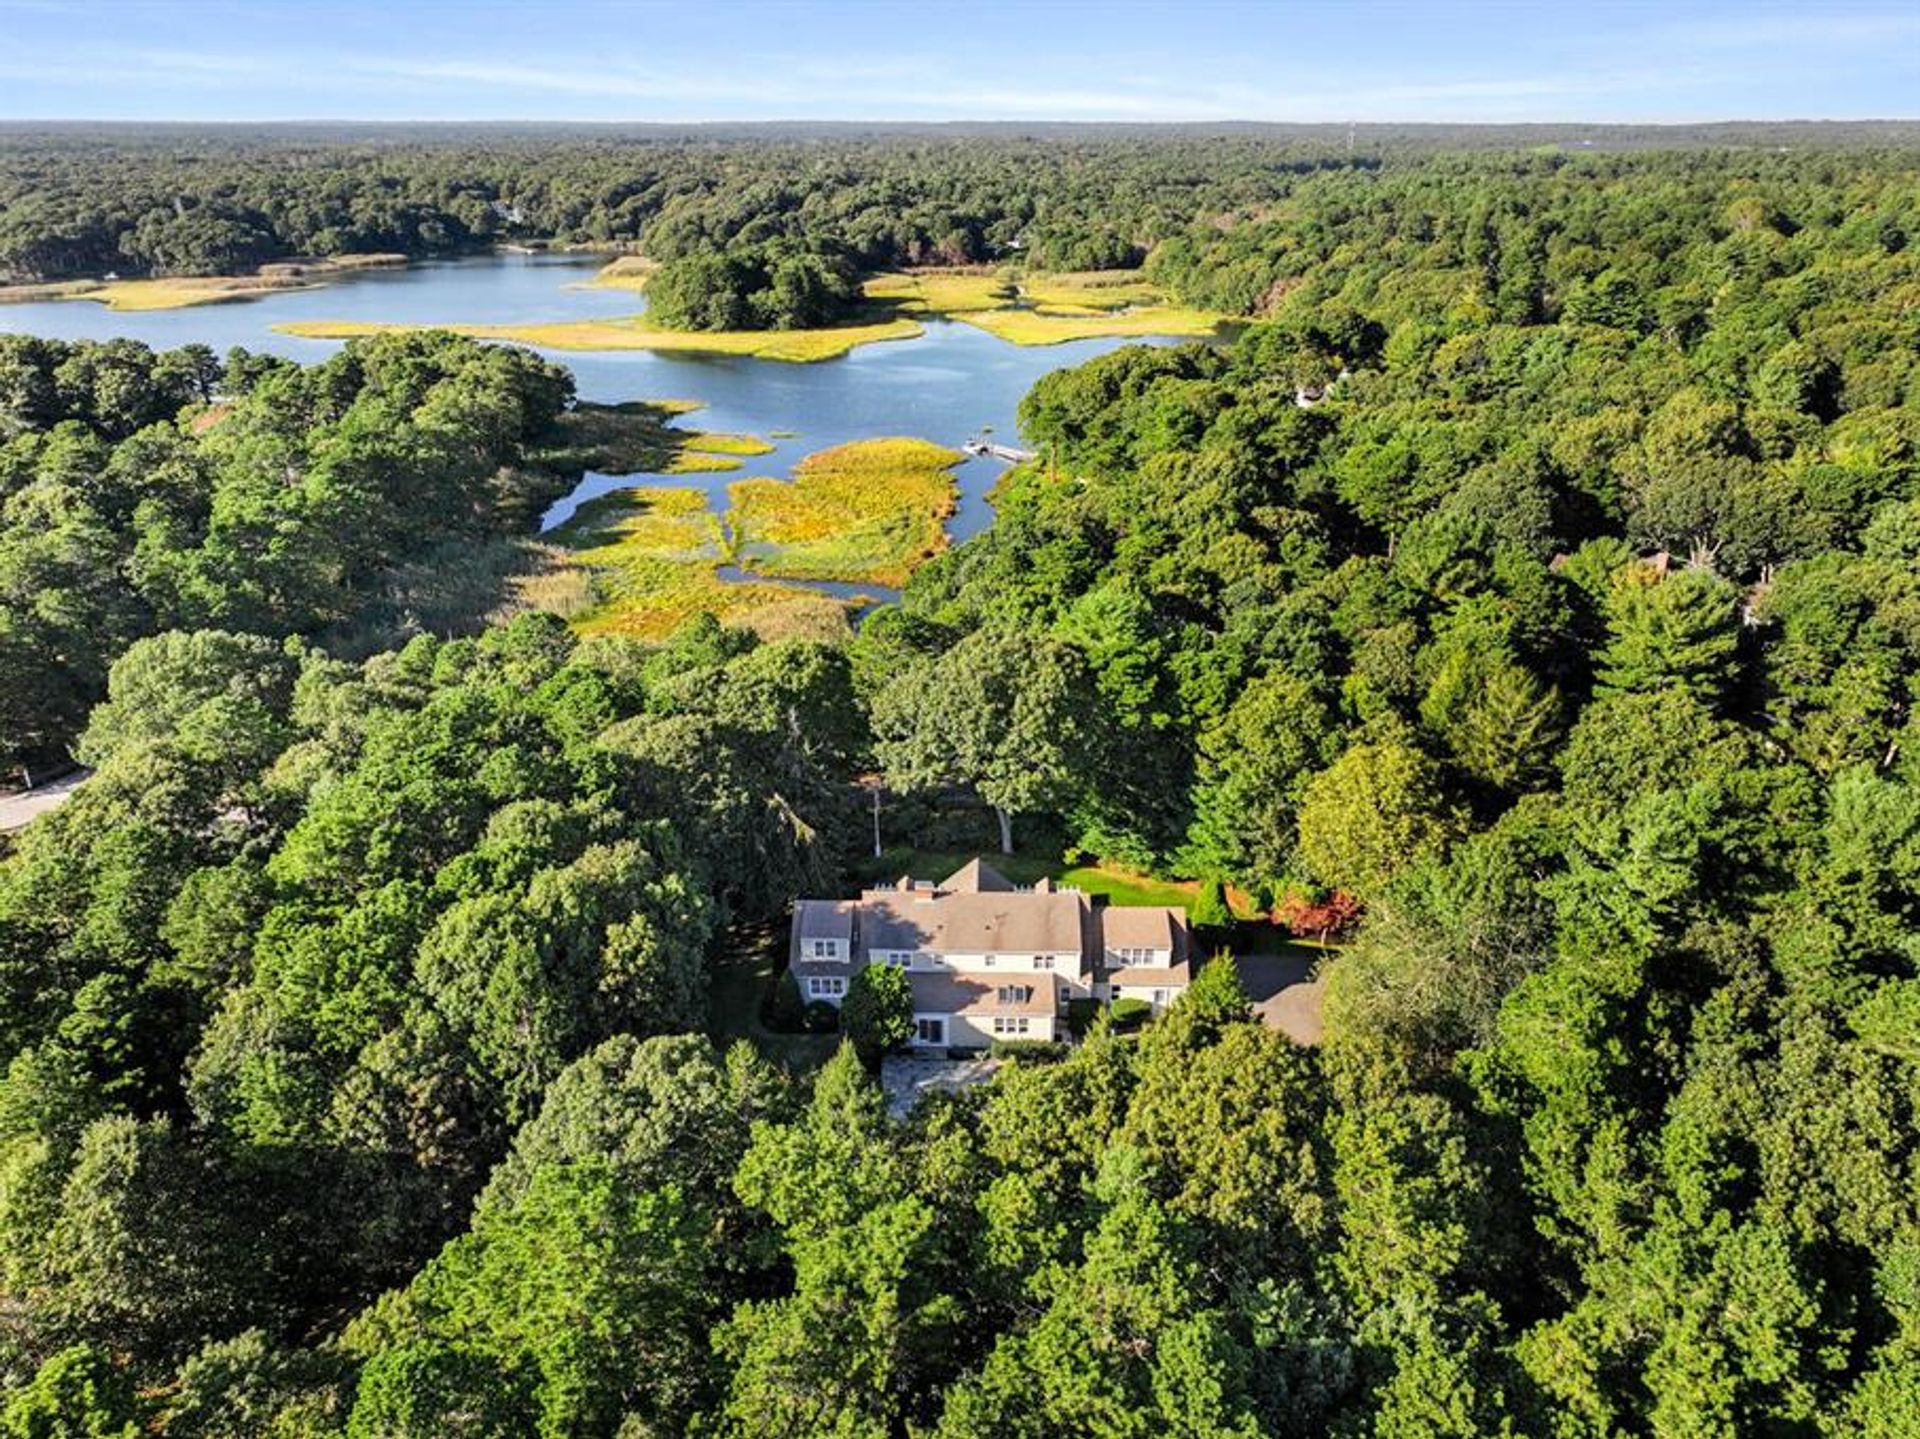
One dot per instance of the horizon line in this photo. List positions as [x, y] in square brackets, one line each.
[905, 123]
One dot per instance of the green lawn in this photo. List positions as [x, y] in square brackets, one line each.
[1116, 885]
[740, 977]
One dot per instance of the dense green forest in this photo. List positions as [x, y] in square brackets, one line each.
[142, 492]
[763, 234]
[770, 227]
[1540, 572]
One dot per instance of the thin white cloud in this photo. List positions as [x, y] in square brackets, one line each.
[1813, 27]
[1715, 63]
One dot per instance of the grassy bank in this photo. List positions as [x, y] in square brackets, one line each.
[1090, 291]
[869, 511]
[1039, 309]
[44, 290]
[1045, 309]
[647, 561]
[644, 560]
[795, 346]
[1044, 327]
[943, 292]
[179, 292]
[629, 272]
[638, 438]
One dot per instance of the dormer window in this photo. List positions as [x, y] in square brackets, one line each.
[1015, 993]
[823, 949]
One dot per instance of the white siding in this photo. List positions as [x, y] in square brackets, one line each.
[829, 988]
[977, 1031]
[1160, 996]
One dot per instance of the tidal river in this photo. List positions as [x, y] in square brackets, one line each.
[948, 385]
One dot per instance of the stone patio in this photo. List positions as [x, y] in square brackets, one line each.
[906, 1077]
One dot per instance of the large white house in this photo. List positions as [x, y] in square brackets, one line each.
[990, 960]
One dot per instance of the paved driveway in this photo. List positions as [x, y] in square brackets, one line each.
[17, 809]
[1284, 993]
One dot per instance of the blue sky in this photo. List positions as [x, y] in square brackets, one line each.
[1622, 60]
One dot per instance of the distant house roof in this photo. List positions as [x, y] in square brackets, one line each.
[976, 877]
[983, 994]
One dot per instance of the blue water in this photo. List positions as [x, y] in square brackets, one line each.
[948, 385]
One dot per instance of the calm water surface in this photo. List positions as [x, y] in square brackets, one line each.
[950, 384]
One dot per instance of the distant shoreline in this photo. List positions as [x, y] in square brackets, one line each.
[275, 277]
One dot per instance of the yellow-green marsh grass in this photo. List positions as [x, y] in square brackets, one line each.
[278, 278]
[33, 294]
[636, 438]
[942, 292]
[717, 442]
[658, 521]
[132, 295]
[1042, 327]
[649, 556]
[1082, 291]
[1045, 309]
[869, 511]
[796, 346]
[629, 272]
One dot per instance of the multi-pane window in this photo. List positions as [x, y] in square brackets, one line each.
[930, 1031]
[1043, 961]
[1015, 993]
[826, 988]
[1159, 998]
[987, 960]
[1134, 956]
[1004, 1024]
[823, 949]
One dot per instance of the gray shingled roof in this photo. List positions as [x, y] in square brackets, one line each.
[1141, 926]
[1140, 976]
[984, 994]
[1025, 922]
[823, 919]
[976, 877]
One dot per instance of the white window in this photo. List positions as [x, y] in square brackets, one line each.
[1015, 993]
[987, 960]
[930, 1031]
[1134, 956]
[1043, 961]
[895, 958]
[1160, 998]
[827, 988]
[1004, 1024]
[823, 949]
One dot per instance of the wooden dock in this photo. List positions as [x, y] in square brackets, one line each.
[1009, 453]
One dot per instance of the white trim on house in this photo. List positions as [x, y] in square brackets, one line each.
[990, 960]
